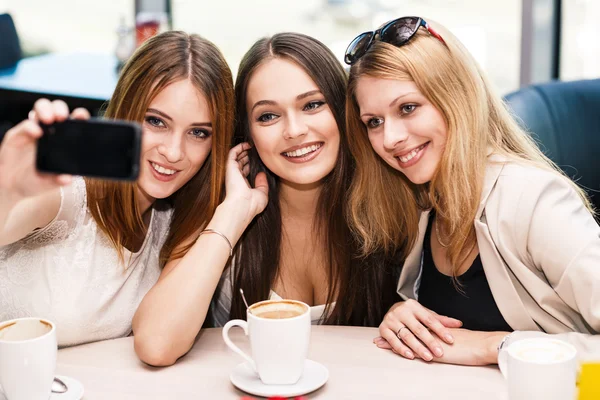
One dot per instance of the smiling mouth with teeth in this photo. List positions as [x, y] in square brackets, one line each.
[303, 151]
[162, 170]
[406, 158]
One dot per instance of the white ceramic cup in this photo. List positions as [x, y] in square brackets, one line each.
[539, 368]
[27, 358]
[279, 345]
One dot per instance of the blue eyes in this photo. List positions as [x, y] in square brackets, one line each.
[405, 110]
[266, 117]
[374, 123]
[313, 105]
[200, 133]
[156, 122]
[310, 106]
[196, 133]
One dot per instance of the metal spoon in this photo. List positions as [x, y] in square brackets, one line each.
[244, 297]
[59, 386]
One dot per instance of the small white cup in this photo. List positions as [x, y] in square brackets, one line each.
[539, 368]
[279, 345]
[27, 358]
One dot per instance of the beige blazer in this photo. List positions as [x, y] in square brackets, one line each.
[540, 250]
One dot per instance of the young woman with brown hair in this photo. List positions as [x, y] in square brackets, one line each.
[496, 235]
[290, 93]
[290, 105]
[83, 253]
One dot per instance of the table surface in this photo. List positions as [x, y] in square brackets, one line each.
[80, 75]
[357, 370]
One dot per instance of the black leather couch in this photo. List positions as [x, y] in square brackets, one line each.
[564, 117]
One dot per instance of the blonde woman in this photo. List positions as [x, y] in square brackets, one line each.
[496, 236]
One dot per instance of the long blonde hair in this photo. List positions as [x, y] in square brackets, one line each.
[384, 205]
[160, 61]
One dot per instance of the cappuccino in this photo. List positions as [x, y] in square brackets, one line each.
[544, 352]
[278, 309]
[24, 329]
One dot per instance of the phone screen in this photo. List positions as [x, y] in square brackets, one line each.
[95, 148]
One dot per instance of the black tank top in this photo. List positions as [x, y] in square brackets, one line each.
[474, 306]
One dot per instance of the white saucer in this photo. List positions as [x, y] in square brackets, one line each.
[75, 391]
[314, 376]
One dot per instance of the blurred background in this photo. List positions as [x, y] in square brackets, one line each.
[491, 29]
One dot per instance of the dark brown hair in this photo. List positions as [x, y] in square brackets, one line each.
[160, 61]
[362, 289]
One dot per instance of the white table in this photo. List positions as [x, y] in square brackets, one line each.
[358, 370]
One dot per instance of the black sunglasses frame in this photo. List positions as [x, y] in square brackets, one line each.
[356, 49]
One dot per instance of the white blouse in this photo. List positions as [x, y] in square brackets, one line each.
[69, 273]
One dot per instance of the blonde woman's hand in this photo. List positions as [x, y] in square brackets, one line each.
[469, 347]
[18, 176]
[411, 329]
[238, 190]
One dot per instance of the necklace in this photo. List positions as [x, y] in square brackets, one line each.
[437, 233]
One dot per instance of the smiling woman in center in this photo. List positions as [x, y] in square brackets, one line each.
[290, 106]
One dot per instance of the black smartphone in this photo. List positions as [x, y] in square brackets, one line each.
[107, 149]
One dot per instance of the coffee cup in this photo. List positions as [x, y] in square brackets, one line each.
[279, 334]
[539, 368]
[27, 358]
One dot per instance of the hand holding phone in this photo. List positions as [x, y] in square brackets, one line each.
[18, 176]
[98, 148]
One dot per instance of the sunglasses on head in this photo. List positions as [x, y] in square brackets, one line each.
[397, 32]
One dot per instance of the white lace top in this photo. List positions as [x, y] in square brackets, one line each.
[69, 273]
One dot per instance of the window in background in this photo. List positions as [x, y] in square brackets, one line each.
[68, 25]
[490, 30]
[580, 42]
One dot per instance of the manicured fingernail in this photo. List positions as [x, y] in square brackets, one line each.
[427, 356]
[409, 354]
[438, 351]
[378, 340]
[449, 338]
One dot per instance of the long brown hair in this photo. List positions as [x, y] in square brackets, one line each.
[362, 289]
[384, 204]
[160, 61]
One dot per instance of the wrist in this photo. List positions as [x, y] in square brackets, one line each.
[493, 347]
[230, 220]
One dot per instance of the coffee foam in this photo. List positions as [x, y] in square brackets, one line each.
[24, 330]
[546, 352]
[277, 305]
